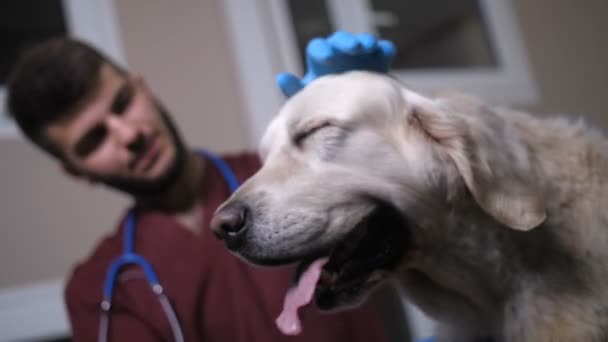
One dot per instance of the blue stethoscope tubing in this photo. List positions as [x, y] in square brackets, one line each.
[130, 257]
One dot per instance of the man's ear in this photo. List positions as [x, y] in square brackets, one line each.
[493, 164]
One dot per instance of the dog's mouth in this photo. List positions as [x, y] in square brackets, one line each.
[350, 269]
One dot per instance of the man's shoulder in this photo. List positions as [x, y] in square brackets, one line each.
[244, 163]
[243, 158]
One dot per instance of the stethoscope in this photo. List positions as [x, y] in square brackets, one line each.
[130, 257]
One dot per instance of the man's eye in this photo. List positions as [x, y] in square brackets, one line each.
[91, 141]
[122, 100]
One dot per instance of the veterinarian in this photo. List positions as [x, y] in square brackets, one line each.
[161, 276]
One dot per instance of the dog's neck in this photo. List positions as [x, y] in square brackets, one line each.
[455, 265]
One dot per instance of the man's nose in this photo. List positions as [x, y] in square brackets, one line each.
[125, 131]
[231, 223]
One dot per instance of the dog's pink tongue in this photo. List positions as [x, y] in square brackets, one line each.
[298, 296]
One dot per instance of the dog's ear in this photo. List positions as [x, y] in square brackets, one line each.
[494, 166]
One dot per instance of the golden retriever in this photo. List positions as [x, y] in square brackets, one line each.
[494, 221]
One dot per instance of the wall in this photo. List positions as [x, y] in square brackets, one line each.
[568, 50]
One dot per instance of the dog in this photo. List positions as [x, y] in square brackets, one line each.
[494, 221]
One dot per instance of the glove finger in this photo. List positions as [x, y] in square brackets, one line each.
[344, 42]
[368, 42]
[288, 83]
[318, 50]
[388, 49]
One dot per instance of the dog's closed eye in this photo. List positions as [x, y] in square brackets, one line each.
[322, 139]
[307, 131]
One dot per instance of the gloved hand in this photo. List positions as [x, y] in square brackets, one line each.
[340, 52]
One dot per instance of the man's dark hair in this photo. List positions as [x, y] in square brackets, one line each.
[49, 81]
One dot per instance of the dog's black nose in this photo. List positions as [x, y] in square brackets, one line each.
[230, 224]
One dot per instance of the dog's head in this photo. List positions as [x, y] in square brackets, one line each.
[354, 165]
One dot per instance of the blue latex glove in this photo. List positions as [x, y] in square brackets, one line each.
[340, 52]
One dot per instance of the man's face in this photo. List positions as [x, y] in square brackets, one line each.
[120, 136]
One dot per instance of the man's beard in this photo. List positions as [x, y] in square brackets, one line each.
[146, 188]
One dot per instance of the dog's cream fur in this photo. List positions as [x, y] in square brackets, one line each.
[508, 212]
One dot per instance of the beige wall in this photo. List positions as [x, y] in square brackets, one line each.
[181, 48]
[48, 221]
[568, 49]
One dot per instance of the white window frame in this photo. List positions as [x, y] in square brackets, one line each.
[264, 44]
[94, 21]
